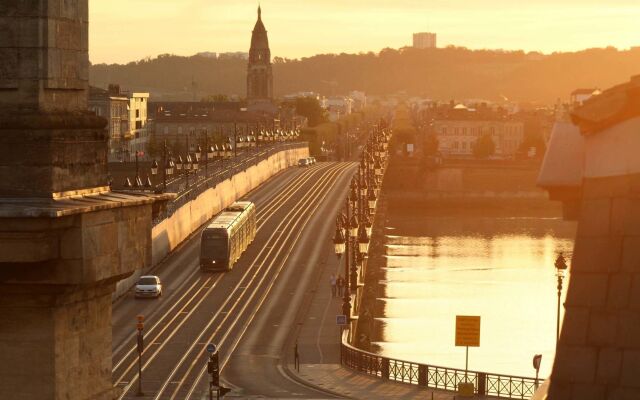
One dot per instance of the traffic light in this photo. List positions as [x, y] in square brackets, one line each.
[213, 369]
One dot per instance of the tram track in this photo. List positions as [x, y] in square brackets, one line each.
[269, 210]
[268, 270]
[306, 216]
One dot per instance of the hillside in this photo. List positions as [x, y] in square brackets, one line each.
[438, 73]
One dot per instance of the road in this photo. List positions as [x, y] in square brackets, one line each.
[250, 312]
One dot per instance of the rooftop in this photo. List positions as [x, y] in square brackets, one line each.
[612, 106]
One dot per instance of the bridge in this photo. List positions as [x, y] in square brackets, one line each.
[66, 240]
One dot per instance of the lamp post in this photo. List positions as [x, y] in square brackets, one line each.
[353, 235]
[340, 246]
[167, 166]
[561, 267]
[187, 168]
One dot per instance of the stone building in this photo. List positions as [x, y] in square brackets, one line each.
[592, 166]
[127, 116]
[114, 106]
[259, 73]
[174, 120]
[459, 128]
[138, 135]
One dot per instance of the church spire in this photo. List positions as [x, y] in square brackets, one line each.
[259, 75]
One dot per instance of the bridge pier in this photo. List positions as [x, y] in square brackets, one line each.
[593, 167]
[65, 239]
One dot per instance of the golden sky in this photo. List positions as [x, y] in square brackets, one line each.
[127, 30]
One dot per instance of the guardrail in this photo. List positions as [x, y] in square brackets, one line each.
[435, 377]
[217, 171]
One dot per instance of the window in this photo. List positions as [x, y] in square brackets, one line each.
[444, 130]
[166, 130]
[179, 130]
[137, 113]
[464, 131]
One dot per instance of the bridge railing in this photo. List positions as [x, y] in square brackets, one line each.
[436, 377]
[220, 170]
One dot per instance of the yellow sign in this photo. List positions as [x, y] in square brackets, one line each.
[467, 331]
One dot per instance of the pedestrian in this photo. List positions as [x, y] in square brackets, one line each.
[332, 281]
[340, 284]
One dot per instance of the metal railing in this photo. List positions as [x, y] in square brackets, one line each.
[435, 377]
[218, 171]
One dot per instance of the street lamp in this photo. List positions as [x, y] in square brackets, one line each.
[363, 240]
[154, 168]
[338, 240]
[341, 246]
[371, 199]
[367, 223]
[561, 267]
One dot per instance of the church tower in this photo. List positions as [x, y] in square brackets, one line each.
[259, 75]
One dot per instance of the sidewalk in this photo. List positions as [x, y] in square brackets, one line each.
[318, 345]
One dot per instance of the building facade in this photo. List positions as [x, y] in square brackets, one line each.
[127, 115]
[579, 96]
[457, 137]
[114, 106]
[138, 134]
[424, 40]
[180, 122]
[259, 73]
[337, 106]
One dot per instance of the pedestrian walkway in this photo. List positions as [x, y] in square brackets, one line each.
[319, 348]
[351, 384]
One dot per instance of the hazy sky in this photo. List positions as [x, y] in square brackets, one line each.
[128, 30]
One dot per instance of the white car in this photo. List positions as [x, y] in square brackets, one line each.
[149, 286]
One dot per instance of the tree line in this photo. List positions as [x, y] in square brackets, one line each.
[440, 74]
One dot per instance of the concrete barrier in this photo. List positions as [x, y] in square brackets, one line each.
[172, 231]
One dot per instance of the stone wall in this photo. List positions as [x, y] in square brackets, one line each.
[599, 352]
[169, 233]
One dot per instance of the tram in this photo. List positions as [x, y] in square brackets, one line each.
[227, 236]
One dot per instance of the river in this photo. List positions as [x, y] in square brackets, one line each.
[500, 268]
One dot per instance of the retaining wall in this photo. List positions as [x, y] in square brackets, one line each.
[172, 231]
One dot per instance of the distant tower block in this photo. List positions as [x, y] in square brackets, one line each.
[424, 40]
[259, 74]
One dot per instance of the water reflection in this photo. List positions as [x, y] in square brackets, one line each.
[500, 269]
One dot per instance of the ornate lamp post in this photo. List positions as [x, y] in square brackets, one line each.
[340, 246]
[210, 154]
[561, 267]
[167, 166]
[353, 235]
[187, 168]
